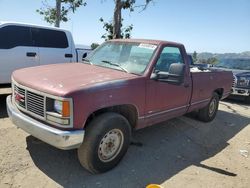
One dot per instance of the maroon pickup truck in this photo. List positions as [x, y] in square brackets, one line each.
[122, 86]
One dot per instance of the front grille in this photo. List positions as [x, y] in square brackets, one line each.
[29, 101]
[242, 82]
[19, 96]
[35, 103]
[234, 81]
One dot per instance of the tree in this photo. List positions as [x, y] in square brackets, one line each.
[114, 28]
[94, 46]
[212, 60]
[59, 13]
[194, 56]
[108, 26]
[201, 61]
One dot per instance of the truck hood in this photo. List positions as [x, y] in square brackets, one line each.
[62, 79]
[236, 72]
[243, 74]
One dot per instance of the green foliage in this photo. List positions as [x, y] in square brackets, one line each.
[194, 56]
[131, 5]
[94, 46]
[212, 60]
[108, 27]
[204, 60]
[114, 28]
[50, 12]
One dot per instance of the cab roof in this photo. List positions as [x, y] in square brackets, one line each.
[148, 41]
[30, 25]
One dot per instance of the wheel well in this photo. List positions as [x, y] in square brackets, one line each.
[128, 111]
[219, 92]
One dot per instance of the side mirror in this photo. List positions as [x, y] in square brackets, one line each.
[177, 69]
[174, 76]
[84, 55]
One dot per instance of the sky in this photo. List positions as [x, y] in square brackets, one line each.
[217, 26]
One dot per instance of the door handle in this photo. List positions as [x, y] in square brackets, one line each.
[31, 54]
[68, 55]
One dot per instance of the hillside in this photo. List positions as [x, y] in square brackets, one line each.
[206, 55]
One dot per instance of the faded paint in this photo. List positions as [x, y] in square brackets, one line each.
[93, 88]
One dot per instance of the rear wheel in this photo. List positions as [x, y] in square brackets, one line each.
[106, 141]
[247, 99]
[209, 112]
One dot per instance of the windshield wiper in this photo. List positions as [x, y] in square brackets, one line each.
[88, 61]
[114, 64]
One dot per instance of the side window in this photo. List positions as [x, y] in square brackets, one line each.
[49, 38]
[168, 56]
[12, 36]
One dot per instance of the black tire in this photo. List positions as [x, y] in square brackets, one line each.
[107, 133]
[209, 112]
[247, 99]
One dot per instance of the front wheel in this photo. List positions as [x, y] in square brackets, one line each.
[209, 112]
[106, 141]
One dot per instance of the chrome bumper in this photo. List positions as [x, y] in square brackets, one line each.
[60, 139]
[240, 91]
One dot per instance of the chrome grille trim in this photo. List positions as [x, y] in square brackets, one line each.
[35, 103]
[234, 81]
[44, 96]
[20, 92]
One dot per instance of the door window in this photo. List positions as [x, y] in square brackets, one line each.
[13, 36]
[49, 38]
[168, 56]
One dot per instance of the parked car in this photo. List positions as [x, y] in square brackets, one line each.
[241, 75]
[25, 45]
[124, 85]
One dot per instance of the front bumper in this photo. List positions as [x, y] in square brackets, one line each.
[60, 139]
[240, 91]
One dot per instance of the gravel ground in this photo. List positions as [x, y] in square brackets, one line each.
[182, 152]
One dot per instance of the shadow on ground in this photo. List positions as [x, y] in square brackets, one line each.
[240, 100]
[2, 86]
[167, 149]
[3, 111]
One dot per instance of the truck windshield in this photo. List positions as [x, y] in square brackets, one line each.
[241, 64]
[123, 56]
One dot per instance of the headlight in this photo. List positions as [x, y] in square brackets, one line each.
[59, 112]
[62, 107]
[58, 106]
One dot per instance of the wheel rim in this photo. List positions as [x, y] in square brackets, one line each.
[212, 107]
[110, 145]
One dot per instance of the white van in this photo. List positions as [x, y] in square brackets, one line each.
[25, 45]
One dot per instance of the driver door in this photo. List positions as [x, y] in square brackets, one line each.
[166, 100]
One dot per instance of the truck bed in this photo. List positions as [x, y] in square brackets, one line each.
[205, 82]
